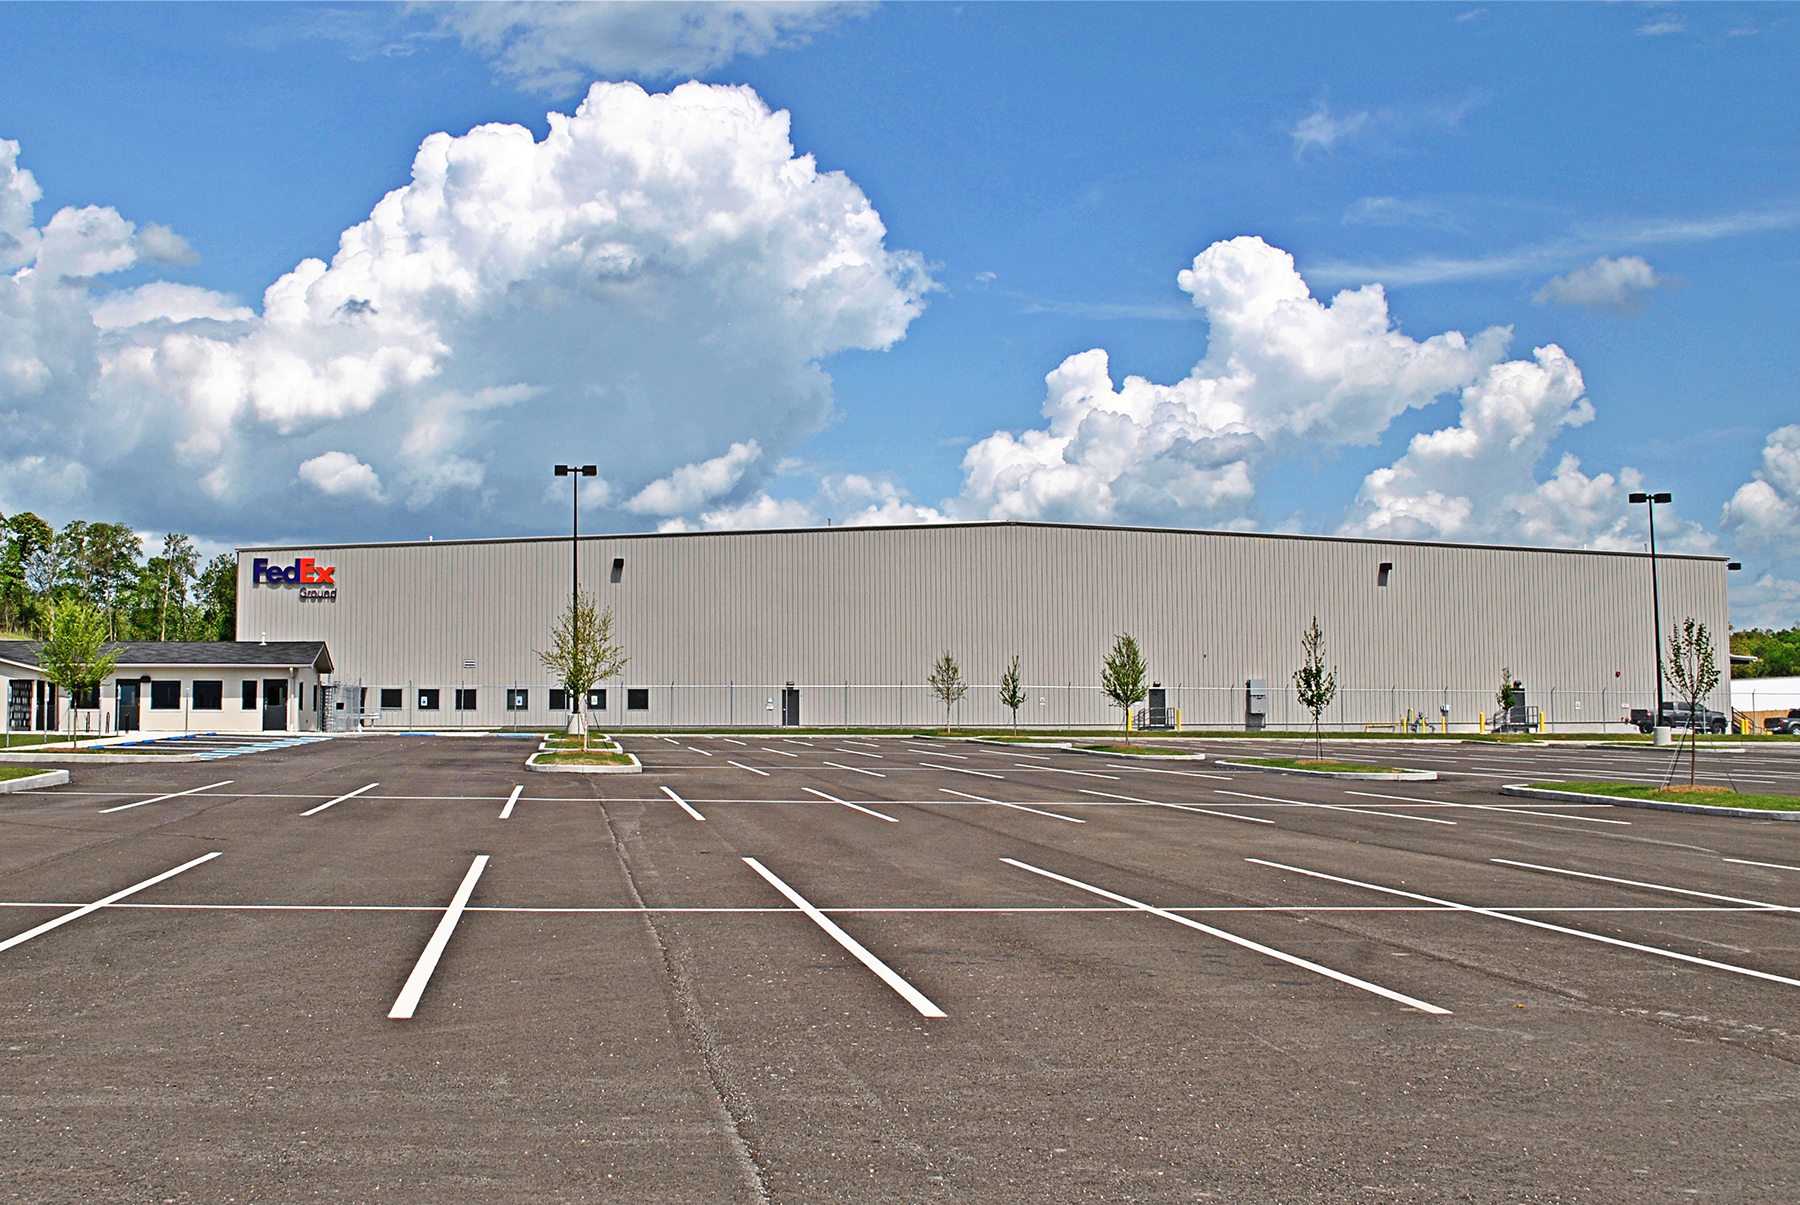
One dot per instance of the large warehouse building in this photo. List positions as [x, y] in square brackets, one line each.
[843, 625]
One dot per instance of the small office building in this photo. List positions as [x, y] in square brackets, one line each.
[175, 686]
[842, 626]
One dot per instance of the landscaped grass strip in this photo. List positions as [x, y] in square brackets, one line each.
[1702, 796]
[1309, 763]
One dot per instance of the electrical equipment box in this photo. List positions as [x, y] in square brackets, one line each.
[1256, 703]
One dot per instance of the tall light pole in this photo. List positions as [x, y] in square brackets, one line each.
[1650, 501]
[575, 472]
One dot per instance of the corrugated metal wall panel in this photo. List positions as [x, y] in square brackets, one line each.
[874, 607]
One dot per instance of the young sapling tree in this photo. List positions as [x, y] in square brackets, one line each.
[947, 684]
[1123, 676]
[1012, 692]
[1314, 685]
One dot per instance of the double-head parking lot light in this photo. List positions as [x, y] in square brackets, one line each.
[1650, 500]
[575, 472]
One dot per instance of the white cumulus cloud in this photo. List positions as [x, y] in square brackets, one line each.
[1282, 369]
[339, 473]
[1765, 511]
[164, 301]
[1467, 481]
[656, 280]
[1606, 284]
[557, 47]
[691, 485]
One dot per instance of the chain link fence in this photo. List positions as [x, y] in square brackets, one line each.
[438, 707]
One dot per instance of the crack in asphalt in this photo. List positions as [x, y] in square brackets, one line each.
[734, 1108]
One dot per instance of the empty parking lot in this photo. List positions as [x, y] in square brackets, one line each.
[827, 968]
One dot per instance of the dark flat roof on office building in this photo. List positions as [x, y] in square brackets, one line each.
[284, 654]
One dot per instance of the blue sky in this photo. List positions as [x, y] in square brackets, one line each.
[837, 292]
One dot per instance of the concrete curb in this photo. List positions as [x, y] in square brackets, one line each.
[982, 740]
[49, 778]
[1654, 805]
[106, 759]
[1362, 776]
[636, 767]
[1194, 756]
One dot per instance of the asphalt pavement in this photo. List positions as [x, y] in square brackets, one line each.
[818, 968]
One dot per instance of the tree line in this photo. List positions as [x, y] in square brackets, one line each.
[168, 595]
[1777, 653]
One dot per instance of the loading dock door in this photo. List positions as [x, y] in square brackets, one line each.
[274, 705]
[128, 707]
[790, 707]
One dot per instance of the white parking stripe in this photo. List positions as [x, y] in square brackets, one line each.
[1487, 807]
[65, 918]
[339, 799]
[1602, 878]
[124, 807]
[1538, 924]
[511, 801]
[1056, 770]
[781, 752]
[685, 806]
[855, 769]
[728, 740]
[1180, 807]
[940, 751]
[1113, 765]
[854, 806]
[1770, 865]
[960, 770]
[740, 765]
[1019, 806]
[1335, 807]
[1234, 939]
[407, 1002]
[700, 751]
[886, 974]
[859, 753]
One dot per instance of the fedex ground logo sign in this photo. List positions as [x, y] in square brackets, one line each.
[317, 582]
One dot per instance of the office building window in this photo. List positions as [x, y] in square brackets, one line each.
[465, 698]
[428, 700]
[559, 699]
[249, 695]
[637, 698]
[209, 695]
[596, 700]
[518, 700]
[392, 698]
[165, 696]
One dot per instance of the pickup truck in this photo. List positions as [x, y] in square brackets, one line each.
[1788, 725]
[1700, 718]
